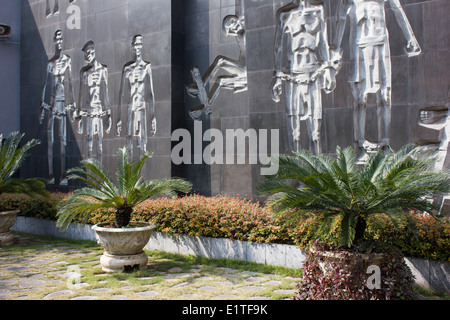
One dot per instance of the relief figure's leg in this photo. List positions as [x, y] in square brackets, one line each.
[50, 141]
[63, 143]
[89, 137]
[293, 110]
[384, 101]
[384, 110]
[316, 113]
[100, 140]
[359, 116]
[130, 129]
[143, 138]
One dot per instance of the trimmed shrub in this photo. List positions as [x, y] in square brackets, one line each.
[421, 235]
[41, 208]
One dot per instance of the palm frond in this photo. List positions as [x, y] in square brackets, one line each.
[12, 157]
[388, 183]
[128, 189]
[77, 207]
[92, 173]
[31, 187]
[348, 229]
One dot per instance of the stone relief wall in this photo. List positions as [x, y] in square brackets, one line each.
[103, 85]
[386, 57]
[365, 73]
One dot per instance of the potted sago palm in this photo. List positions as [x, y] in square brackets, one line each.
[340, 192]
[123, 240]
[12, 156]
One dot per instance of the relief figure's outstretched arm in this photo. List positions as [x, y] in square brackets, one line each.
[412, 46]
[342, 15]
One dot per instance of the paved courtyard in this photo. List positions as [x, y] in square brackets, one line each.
[38, 268]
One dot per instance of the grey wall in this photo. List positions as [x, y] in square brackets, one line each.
[417, 82]
[181, 34]
[10, 68]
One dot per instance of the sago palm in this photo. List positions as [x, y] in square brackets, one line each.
[12, 157]
[331, 187]
[128, 190]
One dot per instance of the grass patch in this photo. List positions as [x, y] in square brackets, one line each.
[428, 294]
[227, 263]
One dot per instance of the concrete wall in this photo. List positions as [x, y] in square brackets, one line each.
[180, 35]
[419, 82]
[10, 68]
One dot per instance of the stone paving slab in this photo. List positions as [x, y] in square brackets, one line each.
[63, 272]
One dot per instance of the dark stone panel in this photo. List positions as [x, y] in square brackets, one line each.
[399, 80]
[260, 48]
[260, 93]
[436, 25]
[237, 179]
[338, 128]
[399, 129]
[436, 80]
[260, 17]
[197, 30]
[161, 83]
[149, 16]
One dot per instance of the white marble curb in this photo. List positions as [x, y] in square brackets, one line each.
[270, 254]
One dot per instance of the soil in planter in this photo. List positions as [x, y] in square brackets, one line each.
[135, 225]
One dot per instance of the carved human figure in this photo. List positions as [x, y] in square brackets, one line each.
[309, 69]
[438, 118]
[370, 54]
[94, 104]
[136, 92]
[57, 99]
[224, 72]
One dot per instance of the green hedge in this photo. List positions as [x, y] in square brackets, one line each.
[240, 219]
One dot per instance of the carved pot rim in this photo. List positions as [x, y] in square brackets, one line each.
[102, 227]
[375, 258]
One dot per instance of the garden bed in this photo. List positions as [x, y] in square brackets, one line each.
[238, 219]
[428, 274]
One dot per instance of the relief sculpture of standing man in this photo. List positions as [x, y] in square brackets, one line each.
[309, 69]
[136, 91]
[94, 103]
[370, 55]
[57, 86]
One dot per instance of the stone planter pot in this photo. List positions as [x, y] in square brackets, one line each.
[123, 246]
[7, 220]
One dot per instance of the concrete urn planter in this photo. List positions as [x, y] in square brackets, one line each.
[123, 246]
[7, 220]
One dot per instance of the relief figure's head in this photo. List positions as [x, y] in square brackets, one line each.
[137, 43]
[89, 52]
[233, 25]
[58, 39]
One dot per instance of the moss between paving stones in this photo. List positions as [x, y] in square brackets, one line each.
[42, 268]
